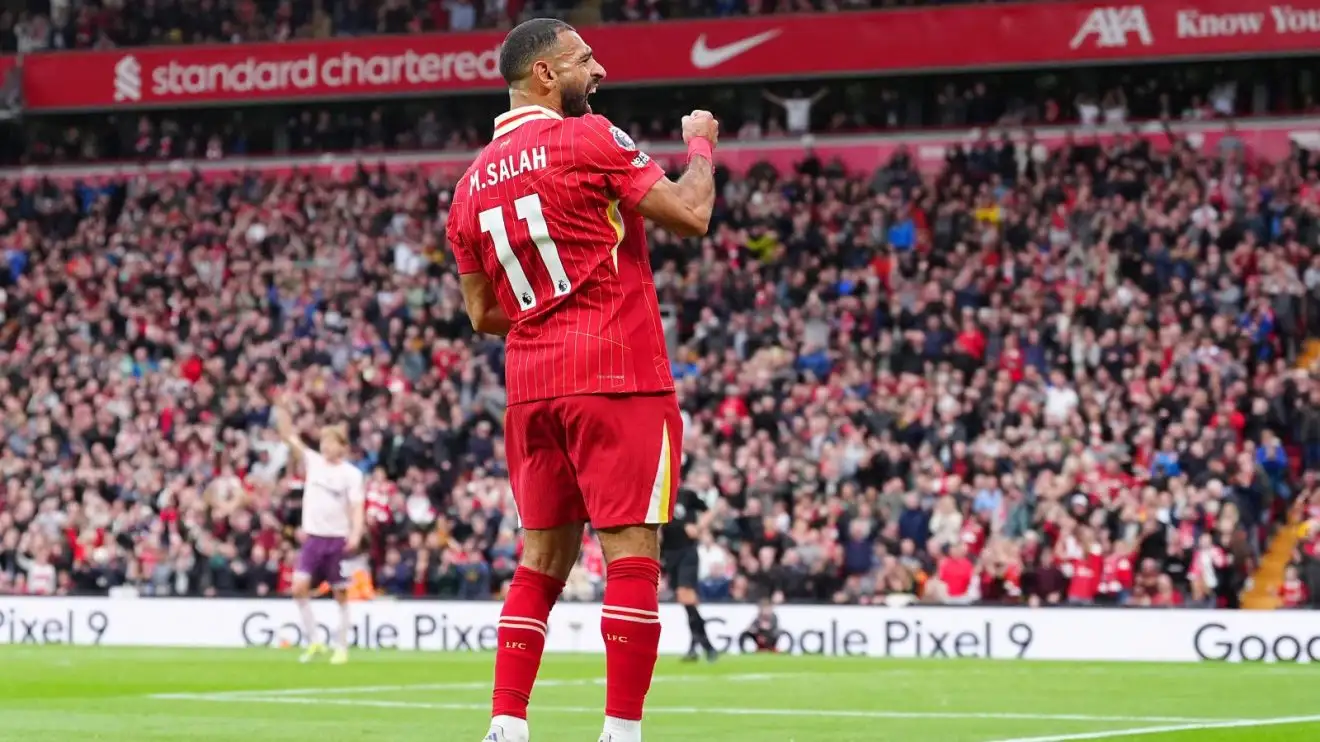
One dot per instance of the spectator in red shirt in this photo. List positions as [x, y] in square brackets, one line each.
[1165, 596]
[1117, 577]
[1232, 418]
[970, 343]
[955, 577]
[1292, 592]
[191, 368]
[1085, 582]
[284, 576]
[1012, 360]
[999, 573]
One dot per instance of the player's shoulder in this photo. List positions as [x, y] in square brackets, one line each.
[460, 201]
[599, 126]
[589, 122]
[347, 470]
[354, 474]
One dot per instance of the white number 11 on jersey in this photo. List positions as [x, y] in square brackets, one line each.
[528, 209]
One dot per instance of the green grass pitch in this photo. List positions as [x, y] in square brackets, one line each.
[54, 694]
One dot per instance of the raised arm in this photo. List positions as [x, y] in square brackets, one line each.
[288, 433]
[684, 206]
[772, 97]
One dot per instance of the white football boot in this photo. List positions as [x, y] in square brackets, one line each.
[506, 730]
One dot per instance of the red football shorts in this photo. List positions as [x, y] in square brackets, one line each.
[611, 460]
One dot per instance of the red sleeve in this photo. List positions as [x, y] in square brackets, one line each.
[464, 258]
[606, 149]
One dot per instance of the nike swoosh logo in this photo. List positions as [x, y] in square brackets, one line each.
[705, 57]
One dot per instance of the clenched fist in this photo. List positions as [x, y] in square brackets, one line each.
[701, 124]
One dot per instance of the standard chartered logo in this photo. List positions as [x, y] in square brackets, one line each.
[128, 79]
[312, 73]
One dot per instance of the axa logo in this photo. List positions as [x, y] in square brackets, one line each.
[128, 80]
[1111, 27]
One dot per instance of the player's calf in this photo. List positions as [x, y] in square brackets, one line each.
[340, 655]
[548, 555]
[630, 626]
[521, 635]
[700, 639]
[302, 597]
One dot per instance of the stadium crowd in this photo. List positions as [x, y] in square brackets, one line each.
[48, 25]
[1112, 98]
[42, 25]
[1064, 380]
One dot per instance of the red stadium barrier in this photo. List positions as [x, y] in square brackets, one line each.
[974, 37]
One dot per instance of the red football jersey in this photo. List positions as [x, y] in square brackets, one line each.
[1293, 593]
[548, 213]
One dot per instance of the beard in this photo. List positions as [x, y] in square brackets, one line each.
[575, 102]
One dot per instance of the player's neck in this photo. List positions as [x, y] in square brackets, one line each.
[522, 100]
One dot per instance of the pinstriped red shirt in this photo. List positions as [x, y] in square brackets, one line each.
[548, 213]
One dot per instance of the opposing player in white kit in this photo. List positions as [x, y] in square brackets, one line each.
[333, 519]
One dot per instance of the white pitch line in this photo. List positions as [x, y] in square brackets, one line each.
[690, 710]
[481, 685]
[1238, 724]
[241, 694]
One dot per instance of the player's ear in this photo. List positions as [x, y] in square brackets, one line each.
[543, 72]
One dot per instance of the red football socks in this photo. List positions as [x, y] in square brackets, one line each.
[630, 625]
[522, 631]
